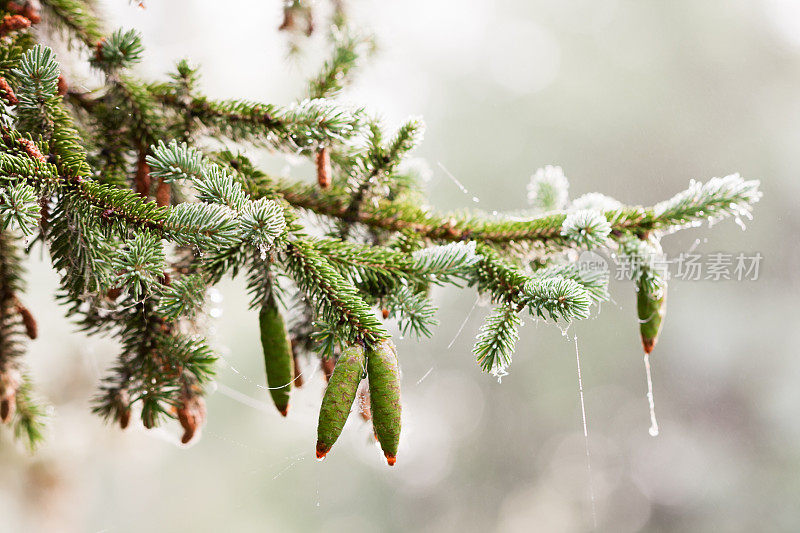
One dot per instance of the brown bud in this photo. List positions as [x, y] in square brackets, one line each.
[142, 174]
[288, 20]
[7, 92]
[32, 150]
[10, 380]
[7, 406]
[385, 313]
[13, 23]
[62, 86]
[123, 409]
[163, 193]
[13, 7]
[191, 415]
[323, 167]
[31, 12]
[31, 328]
[124, 418]
[327, 364]
[298, 372]
[98, 49]
[114, 293]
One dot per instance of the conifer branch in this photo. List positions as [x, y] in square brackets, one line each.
[139, 222]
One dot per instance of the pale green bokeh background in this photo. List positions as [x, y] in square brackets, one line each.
[632, 99]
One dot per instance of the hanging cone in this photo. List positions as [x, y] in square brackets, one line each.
[651, 308]
[278, 359]
[384, 387]
[339, 396]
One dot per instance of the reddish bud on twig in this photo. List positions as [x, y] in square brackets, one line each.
[14, 7]
[298, 372]
[191, 415]
[142, 174]
[324, 167]
[10, 381]
[7, 92]
[163, 193]
[30, 10]
[32, 150]
[31, 328]
[98, 49]
[114, 293]
[327, 364]
[62, 86]
[123, 409]
[13, 23]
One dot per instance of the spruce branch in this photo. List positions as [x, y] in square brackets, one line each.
[139, 264]
[496, 340]
[140, 269]
[413, 310]
[183, 297]
[302, 126]
[587, 228]
[546, 229]
[19, 208]
[335, 73]
[122, 49]
[336, 300]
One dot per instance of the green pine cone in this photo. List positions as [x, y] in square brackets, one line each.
[384, 386]
[339, 396]
[278, 358]
[651, 309]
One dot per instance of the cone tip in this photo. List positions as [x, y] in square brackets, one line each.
[648, 345]
[322, 450]
[390, 459]
[284, 410]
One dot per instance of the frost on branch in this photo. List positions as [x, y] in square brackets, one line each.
[548, 189]
[142, 210]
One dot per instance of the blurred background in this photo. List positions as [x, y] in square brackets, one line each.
[632, 99]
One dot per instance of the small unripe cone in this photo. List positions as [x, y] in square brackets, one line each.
[384, 388]
[278, 359]
[651, 309]
[339, 396]
[323, 168]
